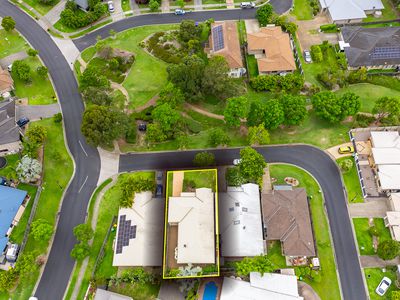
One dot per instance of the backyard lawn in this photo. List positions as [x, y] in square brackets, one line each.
[11, 42]
[302, 10]
[200, 179]
[352, 183]
[388, 13]
[39, 91]
[329, 280]
[143, 291]
[373, 276]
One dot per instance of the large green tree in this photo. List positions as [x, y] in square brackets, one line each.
[274, 114]
[171, 95]
[218, 137]
[97, 95]
[204, 159]
[80, 251]
[388, 249]
[155, 133]
[167, 117]
[252, 164]
[189, 30]
[294, 109]
[258, 135]
[236, 109]
[256, 113]
[387, 108]
[36, 134]
[83, 232]
[92, 77]
[327, 106]
[264, 14]
[8, 23]
[41, 230]
[22, 70]
[350, 104]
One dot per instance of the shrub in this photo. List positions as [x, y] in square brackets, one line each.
[388, 249]
[57, 118]
[373, 231]
[204, 159]
[329, 28]
[233, 177]
[316, 53]
[289, 82]
[346, 165]
[363, 121]
[73, 18]
[41, 230]
[154, 5]
[341, 60]
[259, 264]
[218, 137]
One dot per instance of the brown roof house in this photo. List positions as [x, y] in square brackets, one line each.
[272, 49]
[224, 41]
[287, 218]
[6, 82]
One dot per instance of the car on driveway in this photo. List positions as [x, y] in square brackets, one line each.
[179, 12]
[307, 56]
[110, 5]
[247, 5]
[22, 122]
[383, 286]
[346, 150]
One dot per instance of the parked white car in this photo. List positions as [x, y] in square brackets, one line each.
[237, 161]
[110, 5]
[247, 5]
[307, 56]
[383, 286]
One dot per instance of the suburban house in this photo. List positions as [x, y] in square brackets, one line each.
[12, 205]
[273, 50]
[261, 287]
[107, 295]
[373, 48]
[139, 237]
[392, 218]
[6, 82]
[240, 221]
[385, 159]
[350, 11]
[287, 218]
[9, 132]
[224, 41]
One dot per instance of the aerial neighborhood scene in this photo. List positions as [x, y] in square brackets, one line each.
[199, 149]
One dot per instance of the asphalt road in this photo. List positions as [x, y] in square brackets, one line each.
[315, 161]
[59, 265]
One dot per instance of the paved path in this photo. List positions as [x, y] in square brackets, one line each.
[307, 292]
[230, 4]
[177, 183]
[68, 49]
[334, 151]
[198, 5]
[373, 261]
[36, 112]
[8, 60]
[135, 8]
[54, 14]
[109, 162]
[371, 209]
[165, 6]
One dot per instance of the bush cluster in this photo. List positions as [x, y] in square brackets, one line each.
[72, 17]
[329, 28]
[164, 51]
[289, 82]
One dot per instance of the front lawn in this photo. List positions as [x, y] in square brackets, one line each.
[373, 276]
[11, 42]
[329, 280]
[352, 182]
[39, 91]
[41, 8]
[302, 10]
[126, 5]
[142, 291]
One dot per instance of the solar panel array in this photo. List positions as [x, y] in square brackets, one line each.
[385, 52]
[125, 233]
[218, 38]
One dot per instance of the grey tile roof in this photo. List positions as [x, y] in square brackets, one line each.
[365, 44]
[9, 131]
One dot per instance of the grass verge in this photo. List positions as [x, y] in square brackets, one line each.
[374, 276]
[352, 182]
[11, 42]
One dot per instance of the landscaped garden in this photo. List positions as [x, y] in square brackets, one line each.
[368, 231]
[11, 42]
[373, 276]
[351, 180]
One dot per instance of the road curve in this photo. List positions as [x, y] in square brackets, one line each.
[59, 264]
[315, 161]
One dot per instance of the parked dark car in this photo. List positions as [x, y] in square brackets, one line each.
[22, 122]
[159, 190]
[3, 181]
[142, 127]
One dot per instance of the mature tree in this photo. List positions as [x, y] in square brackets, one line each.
[218, 137]
[182, 140]
[294, 109]
[274, 114]
[83, 232]
[154, 5]
[387, 108]
[8, 23]
[264, 14]
[10, 173]
[102, 125]
[188, 76]
[154, 133]
[131, 185]
[327, 106]
[260, 264]
[388, 249]
[346, 165]
[252, 164]
[180, 3]
[32, 52]
[204, 159]
[216, 80]
[97, 95]
[258, 135]
[42, 71]
[29, 149]
[236, 109]
[167, 117]
[57, 118]
[91, 77]
[36, 134]
[41, 230]
[22, 70]
[256, 113]
[80, 251]
[350, 104]
[189, 30]
[26, 264]
[28, 169]
[172, 95]
[8, 279]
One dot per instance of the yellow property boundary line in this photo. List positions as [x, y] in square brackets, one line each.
[216, 226]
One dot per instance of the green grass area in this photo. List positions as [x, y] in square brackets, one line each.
[384, 233]
[352, 183]
[126, 5]
[102, 67]
[56, 158]
[142, 291]
[241, 25]
[274, 254]
[61, 27]
[148, 74]
[39, 91]
[18, 232]
[373, 276]
[252, 65]
[90, 29]
[22, 5]
[329, 280]
[108, 208]
[77, 68]
[302, 10]
[12, 161]
[200, 179]
[88, 54]
[11, 42]
[369, 93]
[213, 2]
[388, 13]
[39, 7]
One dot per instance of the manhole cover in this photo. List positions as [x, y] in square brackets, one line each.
[3, 162]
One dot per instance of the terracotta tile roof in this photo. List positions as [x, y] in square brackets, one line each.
[6, 82]
[287, 218]
[276, 45]
[231, 50]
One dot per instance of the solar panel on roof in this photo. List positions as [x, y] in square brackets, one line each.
[218, 38]
[385, 52]
[125, 233]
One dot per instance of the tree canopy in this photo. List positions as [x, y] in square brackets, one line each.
[83, 232]
[387, 108]
[252, 164]
[36, 134]
[8, 23]
[236, 109]
[258, 135]
[294, 109]
[274, 114]
[41, 230]
[218, 137]
[204, 159]
[264, 14]
[388, 249]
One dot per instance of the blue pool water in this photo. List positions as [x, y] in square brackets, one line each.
[210, 291]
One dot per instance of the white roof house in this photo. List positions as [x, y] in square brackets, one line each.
[106, 295]
[194, 215]
[392, 220]
[139, 239]
[395, 201]
[385, 139]
[386, 156]
[241, 222]
[344, 10]
[389, 177]
[268, 286]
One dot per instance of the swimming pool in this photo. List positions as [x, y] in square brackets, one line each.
[210, 291]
